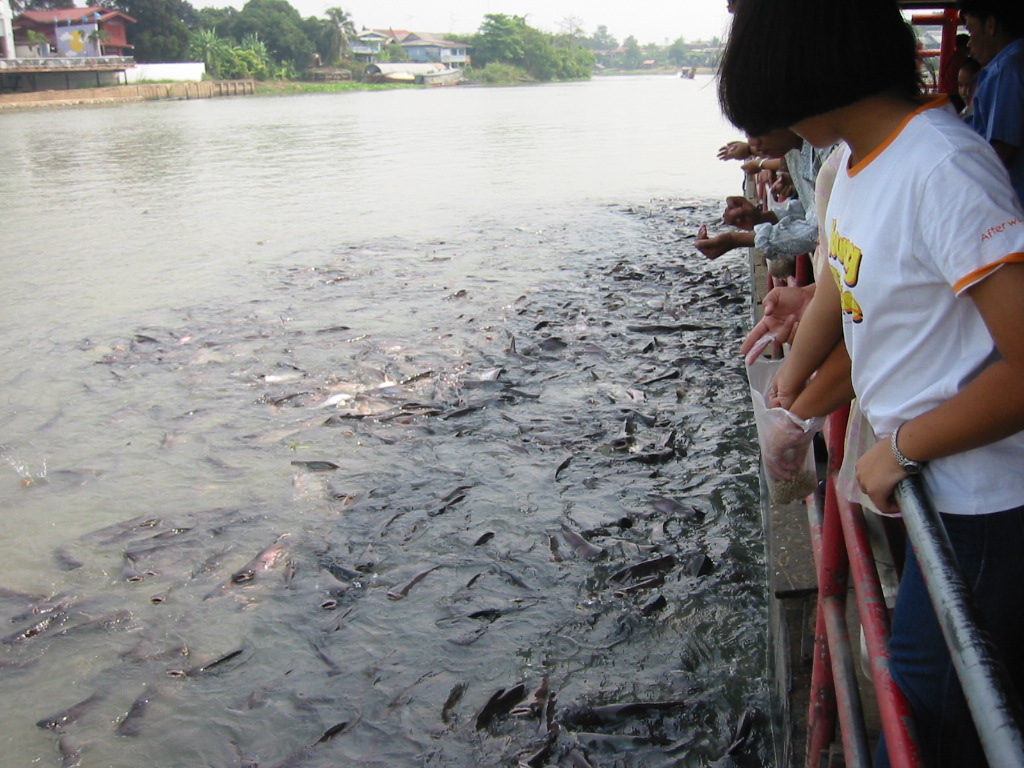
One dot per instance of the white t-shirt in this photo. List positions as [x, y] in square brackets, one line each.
[910, 228]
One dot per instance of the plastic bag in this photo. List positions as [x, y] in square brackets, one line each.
[859, 439]
[784, 439]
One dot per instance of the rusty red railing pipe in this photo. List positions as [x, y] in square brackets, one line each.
[894, 710]
[841, 550]
[835, 696]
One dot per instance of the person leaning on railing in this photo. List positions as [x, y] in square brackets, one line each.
[926, 293]
[781, 235]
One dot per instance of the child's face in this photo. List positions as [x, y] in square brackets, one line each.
[965, 79]
[774, 143]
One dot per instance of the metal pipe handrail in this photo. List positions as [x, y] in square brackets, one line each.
[893, 707]
[835, 696]
[994, 705]
[841, 550]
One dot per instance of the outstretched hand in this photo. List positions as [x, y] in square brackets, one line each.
[713, 247]
[734, 150]
[740, 212]
[783, 187]
[782, 310]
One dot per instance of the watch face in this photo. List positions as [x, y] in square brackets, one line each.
[911, 467]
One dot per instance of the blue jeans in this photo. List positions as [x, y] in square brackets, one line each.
[990, 551]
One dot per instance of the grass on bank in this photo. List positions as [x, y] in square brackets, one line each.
[287, 87]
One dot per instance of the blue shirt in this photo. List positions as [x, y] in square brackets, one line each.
[999, 106]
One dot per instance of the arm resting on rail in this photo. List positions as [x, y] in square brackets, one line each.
[987, 409]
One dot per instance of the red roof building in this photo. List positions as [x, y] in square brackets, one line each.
[92, 31]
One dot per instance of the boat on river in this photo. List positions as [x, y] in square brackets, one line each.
[433, 73]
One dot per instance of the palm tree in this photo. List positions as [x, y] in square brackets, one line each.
[206, 46]
[345, 26]
[99, 37]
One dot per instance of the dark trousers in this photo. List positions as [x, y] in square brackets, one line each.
[990, 551]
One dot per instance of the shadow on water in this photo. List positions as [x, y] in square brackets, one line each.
[514, 535]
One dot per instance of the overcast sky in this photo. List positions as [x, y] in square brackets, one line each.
[650, 21]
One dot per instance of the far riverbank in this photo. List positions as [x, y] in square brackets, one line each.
[155, 91]
[126, 94]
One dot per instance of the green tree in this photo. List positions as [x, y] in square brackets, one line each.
[207, 47]
[539, 56]
[678, 53]
[36, 39]
[257, 57]
[42, 5]
[279, 26]
[226, 60]
[633, 56]
[323, 34]
[500, 39]
[602, 40]
[217, 19]
[344, 27]
[509, 40]
[394, 53]
[161, 31]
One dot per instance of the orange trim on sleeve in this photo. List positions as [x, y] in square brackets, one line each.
[978, 275]
[939, 102]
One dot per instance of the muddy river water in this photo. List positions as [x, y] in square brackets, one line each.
[377, 429]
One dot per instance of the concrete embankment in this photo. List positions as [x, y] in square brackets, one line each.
[116, 94]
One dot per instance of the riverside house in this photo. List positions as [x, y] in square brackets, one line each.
[368, 46]
[423, 47]
[87, 32]
[65, 48]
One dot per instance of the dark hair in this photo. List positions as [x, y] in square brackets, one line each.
[786, 60]
[1009, 14]
[971, 65]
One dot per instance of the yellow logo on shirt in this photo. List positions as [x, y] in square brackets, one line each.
[849, 257]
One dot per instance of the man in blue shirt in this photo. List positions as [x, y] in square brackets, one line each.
[997, 43]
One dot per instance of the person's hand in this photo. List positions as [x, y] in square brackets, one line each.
[787, 445]
[734, 150]
[753, 166]
[713, 247]
[740, 212]
[878, 473]
[786, 300]
[783, 308]
[767, 331]
[782, 187]
[784, 390]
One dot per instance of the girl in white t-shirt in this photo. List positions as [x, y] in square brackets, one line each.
[925, 288]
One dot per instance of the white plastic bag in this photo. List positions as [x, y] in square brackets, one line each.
[784, 439]
[859, 439]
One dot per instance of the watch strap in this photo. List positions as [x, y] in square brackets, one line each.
[909, 466]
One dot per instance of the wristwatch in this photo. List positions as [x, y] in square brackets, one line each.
[909, 466]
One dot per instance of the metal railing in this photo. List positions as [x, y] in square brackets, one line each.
[995, 707]
[841, 551]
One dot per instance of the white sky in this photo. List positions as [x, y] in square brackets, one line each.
[650, 21]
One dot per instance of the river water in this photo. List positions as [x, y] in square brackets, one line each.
[328, 418]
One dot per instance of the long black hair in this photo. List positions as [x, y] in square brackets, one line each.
[787, 60]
